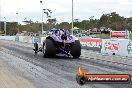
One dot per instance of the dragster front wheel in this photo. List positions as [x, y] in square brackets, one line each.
[35, 47]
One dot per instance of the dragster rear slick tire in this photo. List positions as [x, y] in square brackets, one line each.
[49, 49]
[76, 49]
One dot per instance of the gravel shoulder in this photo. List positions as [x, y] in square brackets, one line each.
[8, 79]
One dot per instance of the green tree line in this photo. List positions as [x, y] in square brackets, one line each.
[110, 20]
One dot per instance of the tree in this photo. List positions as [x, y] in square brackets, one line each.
[112, 20]
[104, 19]
[64, 25]
[12, 28]
[52, 21]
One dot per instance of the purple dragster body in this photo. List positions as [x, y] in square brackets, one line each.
[60, 41]
[57, 36]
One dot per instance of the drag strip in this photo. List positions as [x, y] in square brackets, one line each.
[57, 72]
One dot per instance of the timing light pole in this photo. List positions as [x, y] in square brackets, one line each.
[5, 25]
[17, 22]
[72, 17]
[42, 15]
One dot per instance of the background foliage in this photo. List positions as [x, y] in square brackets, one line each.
[111, 20]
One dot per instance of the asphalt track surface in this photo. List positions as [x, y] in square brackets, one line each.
[59, 72]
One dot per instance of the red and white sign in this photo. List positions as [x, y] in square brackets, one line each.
[119, 34]
[91, 42]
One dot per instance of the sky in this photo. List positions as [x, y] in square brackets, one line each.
[61, 9]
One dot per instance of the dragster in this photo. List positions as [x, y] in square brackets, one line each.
[59, 41]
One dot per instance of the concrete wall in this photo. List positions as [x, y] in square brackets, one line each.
[12, 38]
[121, 47]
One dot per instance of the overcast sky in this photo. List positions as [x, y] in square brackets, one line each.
[83, 9]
